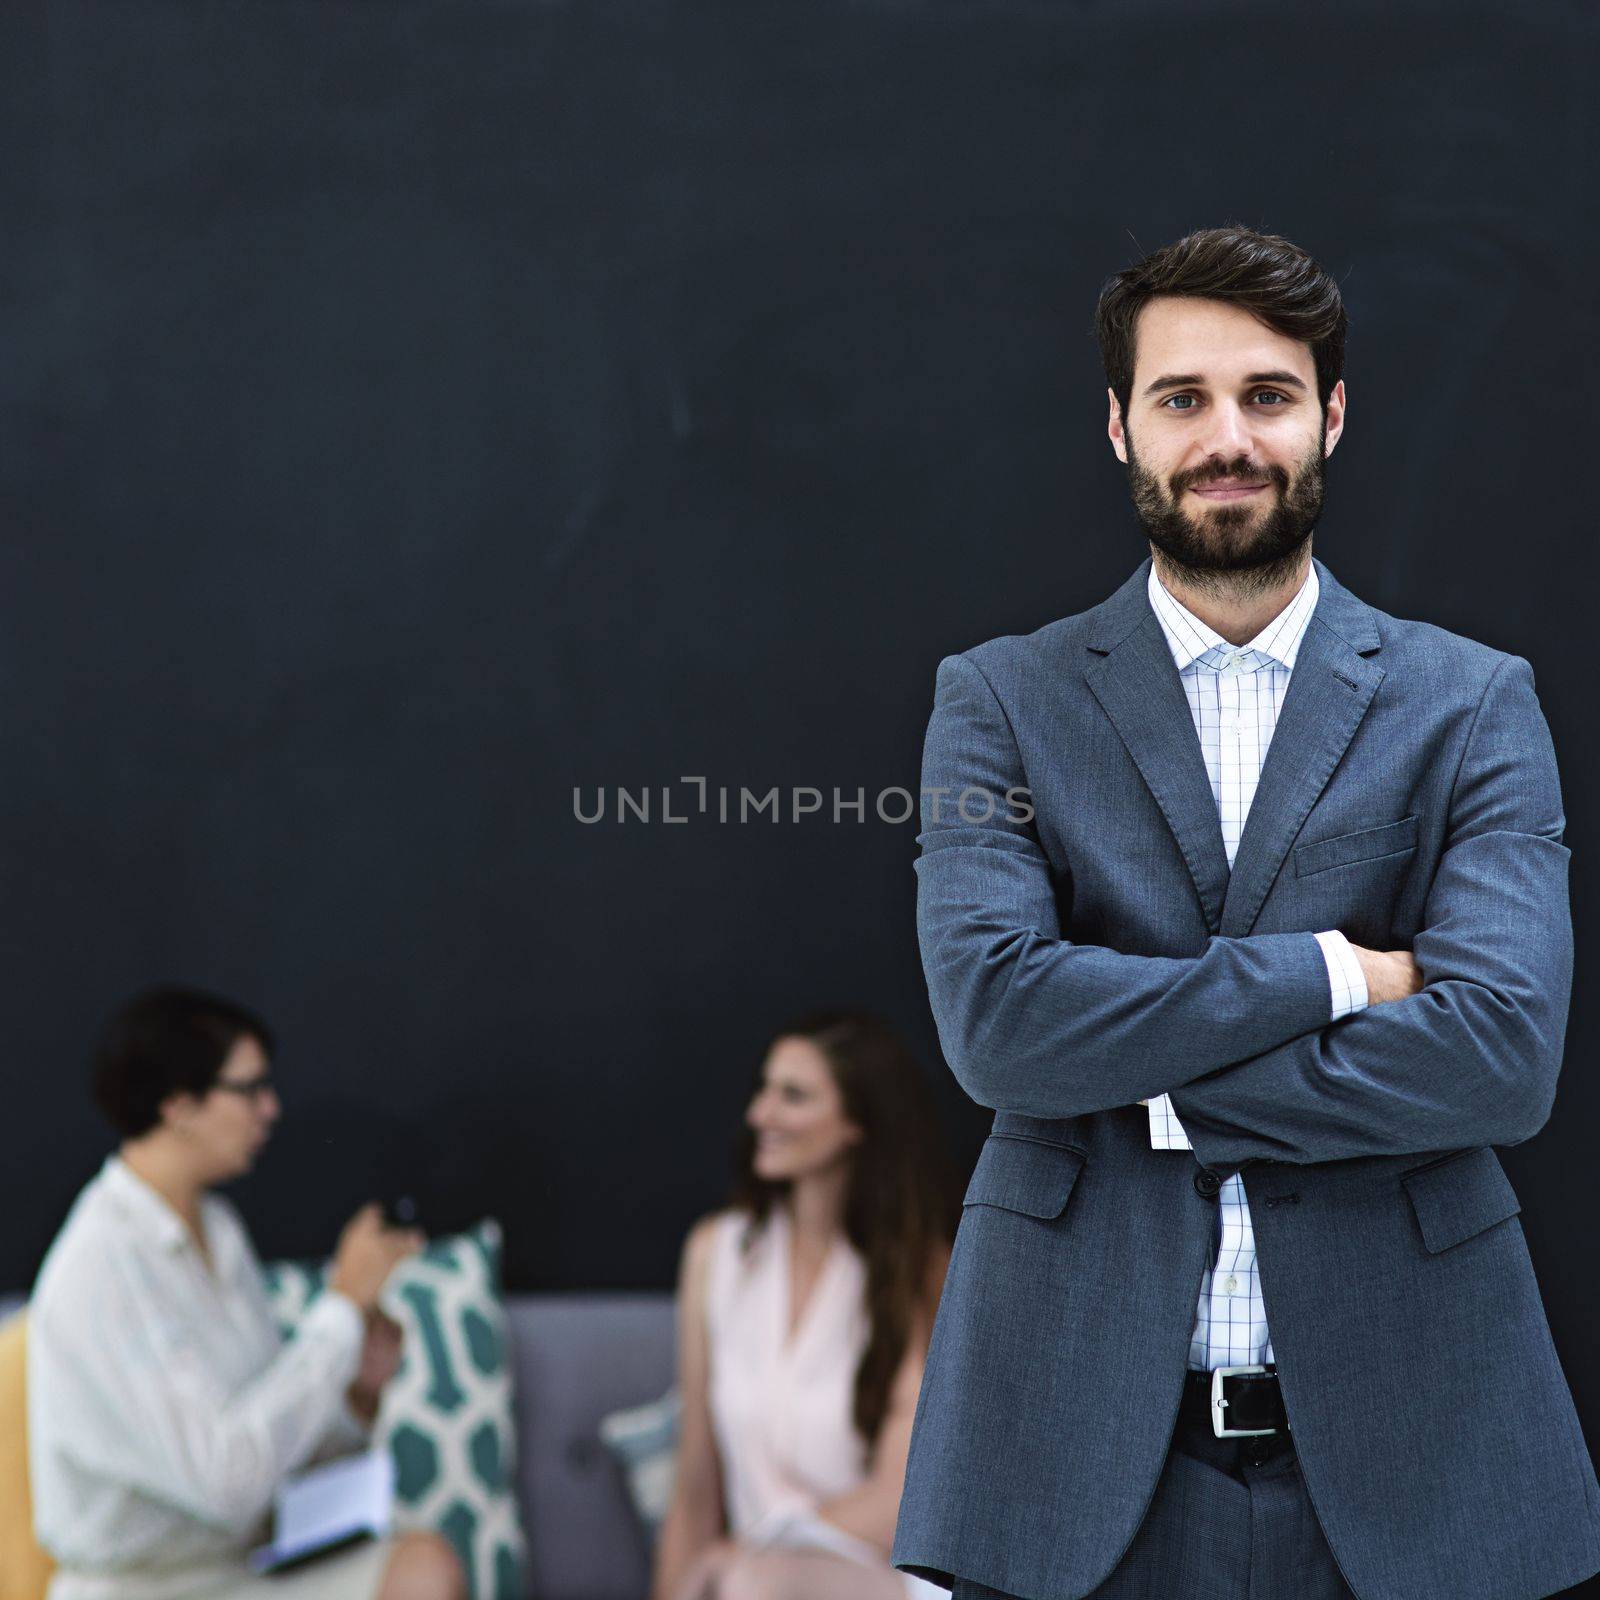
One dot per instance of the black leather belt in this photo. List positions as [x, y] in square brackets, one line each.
[1252, 1402]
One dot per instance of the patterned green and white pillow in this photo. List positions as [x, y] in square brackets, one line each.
[644, 1442]
[446, 1416]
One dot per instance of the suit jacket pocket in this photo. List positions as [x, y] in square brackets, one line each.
[1367, 844]
[1459, 1196]
[1026, 1175]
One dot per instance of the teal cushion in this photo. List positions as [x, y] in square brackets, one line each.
[644, 1441]
[446, 1415]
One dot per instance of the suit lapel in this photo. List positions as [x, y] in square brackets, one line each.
[1328, 695]
[1133, 677]
[1140, 690]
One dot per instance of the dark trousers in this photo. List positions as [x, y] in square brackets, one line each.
[1230, 1520]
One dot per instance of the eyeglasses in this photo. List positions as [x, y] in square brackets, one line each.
[251, 1089]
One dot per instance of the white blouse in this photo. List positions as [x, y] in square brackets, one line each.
[780, 1405]
[163, 1407]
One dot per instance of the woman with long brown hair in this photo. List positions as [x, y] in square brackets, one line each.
[804, 1312]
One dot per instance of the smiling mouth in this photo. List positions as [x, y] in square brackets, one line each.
[1227, 491]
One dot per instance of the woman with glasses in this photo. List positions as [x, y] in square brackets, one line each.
[164, 1409]
[804, 1312]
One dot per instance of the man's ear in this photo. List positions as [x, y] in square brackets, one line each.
[1114, 429]
[1333, 421]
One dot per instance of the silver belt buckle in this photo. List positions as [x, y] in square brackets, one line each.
[1218, 1404]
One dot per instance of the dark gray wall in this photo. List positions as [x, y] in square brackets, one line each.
[413, 411]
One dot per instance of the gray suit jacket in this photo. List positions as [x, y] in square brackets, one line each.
[1100, 952]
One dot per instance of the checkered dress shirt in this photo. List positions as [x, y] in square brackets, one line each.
[1235, 694]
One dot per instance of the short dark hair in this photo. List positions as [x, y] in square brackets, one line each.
[165, 1041]
[1268, 276]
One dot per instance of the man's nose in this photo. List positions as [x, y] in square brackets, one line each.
[271, 1109]
[1229, 434]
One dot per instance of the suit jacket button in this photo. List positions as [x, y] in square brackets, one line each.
[1206, 1182]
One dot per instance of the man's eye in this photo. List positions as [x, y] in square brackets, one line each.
[1260, 394]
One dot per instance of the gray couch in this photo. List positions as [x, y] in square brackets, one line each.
[578, 1357]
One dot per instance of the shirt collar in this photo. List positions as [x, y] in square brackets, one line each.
[1189, 638]
[138, 1200]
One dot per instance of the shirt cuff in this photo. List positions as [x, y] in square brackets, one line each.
[1347, 984]
[1166, 1132]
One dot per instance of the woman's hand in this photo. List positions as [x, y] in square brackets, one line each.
[701, 1580]
[380, 1360]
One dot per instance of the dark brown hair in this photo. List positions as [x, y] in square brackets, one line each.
[1261, 273]
[899, 1206]
[162, 1042]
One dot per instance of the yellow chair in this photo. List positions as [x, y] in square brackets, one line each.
[24, 1568]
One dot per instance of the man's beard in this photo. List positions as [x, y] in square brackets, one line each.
[1231, 547]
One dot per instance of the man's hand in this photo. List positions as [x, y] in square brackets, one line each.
[1390, 974]
[380, 1360]
[369, 1250]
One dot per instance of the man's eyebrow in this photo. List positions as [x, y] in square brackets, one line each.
[1193, 380]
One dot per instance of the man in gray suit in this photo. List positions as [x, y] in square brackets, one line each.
[1273, 950]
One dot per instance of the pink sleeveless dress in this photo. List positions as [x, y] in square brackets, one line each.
[780, 1406]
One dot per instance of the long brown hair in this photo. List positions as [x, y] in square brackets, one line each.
[898, 1204]
[1262, 273]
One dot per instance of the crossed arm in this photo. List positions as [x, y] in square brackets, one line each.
[1239, 1035]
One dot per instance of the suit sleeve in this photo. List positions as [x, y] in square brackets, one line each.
[1473, 1058]
[1034, 1023]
